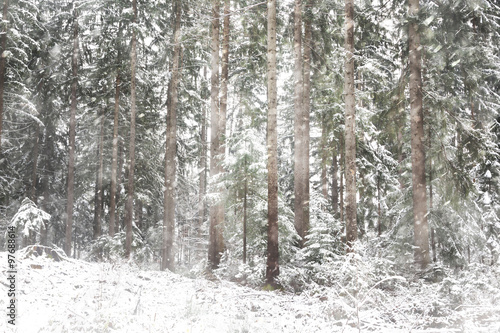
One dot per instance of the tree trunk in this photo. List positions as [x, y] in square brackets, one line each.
[129, 211]
[3, 46]
[379, 225]
[120, 179]
[324, 158]
[245, 193]
[35, 164]
[169, 201]
[72, 134]
[272, 268]
[421, 228]
[341, 188]
[222, 126]
[203, 170]
[213, 254]
[301, 204]
[335, 189]
[114, 162]
[99, 190]
[433, 238]
[350, 134]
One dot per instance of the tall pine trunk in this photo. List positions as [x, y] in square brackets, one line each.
[72, 134]
[421, 228]
[98, 202]
[245, 194]
[272, 268]
[213, 251]
[335, 185]
[306, 109]
[3, 45]
[171, 150]
[129, 209]
[114, 158]
[203, 173]
[301, 205]
[350, 133]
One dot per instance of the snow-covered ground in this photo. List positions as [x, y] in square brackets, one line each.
[77, 296]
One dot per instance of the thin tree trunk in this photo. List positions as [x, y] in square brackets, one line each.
[341, 173]
[129, 211]
[114, 161]
[301, 205]
[433, 238]
[203, 169]
[3, 46]
[35, 164]
[119, 181]
[72, 134]
[350, 133]
[213, 254]
[245, 193]
[335, 186]
[99, 189]
[421, 227]
[272, 268]
[169, 202]
[306, 106]
[379, 208]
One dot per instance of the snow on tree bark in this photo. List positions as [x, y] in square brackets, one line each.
[129, 206]
[350, 133]
[301, 205]
[215, 208]
[72, 134]
[3, 54]
[169, 199]
[272, 268]
[421, 228]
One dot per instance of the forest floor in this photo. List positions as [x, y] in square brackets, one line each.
[78, 296]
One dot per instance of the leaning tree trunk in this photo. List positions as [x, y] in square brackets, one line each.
[129, 211]
[213, 255]
[421, 227]
[3, 45]
[350, 134]
[171, 151]
[72, 134]
[301, 206]
[272, 268]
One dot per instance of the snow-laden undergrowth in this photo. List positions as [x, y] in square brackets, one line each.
[78, 296]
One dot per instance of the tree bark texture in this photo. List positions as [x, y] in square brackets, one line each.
[72, 134]
[214, 253]
[114, 158]
[245, 194]
[421, 228]
[129, 206]
[3, 54]
[272, 268]
[350, 132]
[203, 173]
[335, 185]
[169, 193]
[98, 202]
[301, 203]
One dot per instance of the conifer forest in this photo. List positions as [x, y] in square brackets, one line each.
[250, 165]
